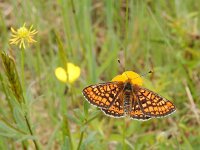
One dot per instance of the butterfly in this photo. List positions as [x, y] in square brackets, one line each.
[125, 98]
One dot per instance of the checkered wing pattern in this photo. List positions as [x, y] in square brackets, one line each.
[152, 104]
[136, 112]
[116, 110]
[103, 95]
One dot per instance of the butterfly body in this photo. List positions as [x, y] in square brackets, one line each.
[119, 99]
[127, 102]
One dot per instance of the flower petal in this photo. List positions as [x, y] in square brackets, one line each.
[22, 36]
[129, 75]
[73, 72]
[61, 74]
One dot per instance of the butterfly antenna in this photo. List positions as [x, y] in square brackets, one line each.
[122, 67]
[142, 75]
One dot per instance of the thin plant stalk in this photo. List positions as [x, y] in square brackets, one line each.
[22, 68]
[31, 132]
[80, 141]
[66, 130]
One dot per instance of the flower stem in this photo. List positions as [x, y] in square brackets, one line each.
[22, 68]
[66, 130]
[31, 132]
[80, 141]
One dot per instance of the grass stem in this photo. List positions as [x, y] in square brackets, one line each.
[80, 141]
[31, 132]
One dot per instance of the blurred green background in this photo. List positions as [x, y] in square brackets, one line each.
[162, 36]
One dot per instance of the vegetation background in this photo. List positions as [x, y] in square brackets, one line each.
[162, 36]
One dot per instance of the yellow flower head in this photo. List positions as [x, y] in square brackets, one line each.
[22, 36]
[72, 74]
[131, 76]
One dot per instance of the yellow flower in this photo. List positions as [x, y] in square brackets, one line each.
[22, 36]
[133, 77]
[72, 74]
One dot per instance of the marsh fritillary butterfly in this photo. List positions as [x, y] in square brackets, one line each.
[124, 98]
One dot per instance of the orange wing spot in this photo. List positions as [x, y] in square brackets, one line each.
[172, 106]
[104, 100]
[150, 108]
[156, 100]
[169, 104]
[108, 88]
[156, 108]
[142, 98]
[102, 91]
[136, 113]
[154, 104]
[144, 105]
[142, 91]
[117, 103]
[149, 102]
[149, 96]
[93, 96]
[160, 103]
[107, 103]
[146, 93]
[159, 109]
[110, 99]
[89, 89]
[163, 108]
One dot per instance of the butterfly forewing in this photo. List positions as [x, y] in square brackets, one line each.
[103, 95]
[152, 104]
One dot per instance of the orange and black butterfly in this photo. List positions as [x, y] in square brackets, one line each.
[124, 98]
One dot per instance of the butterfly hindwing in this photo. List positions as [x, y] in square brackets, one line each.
[103, 95]
[136, 112]
[116, 110]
